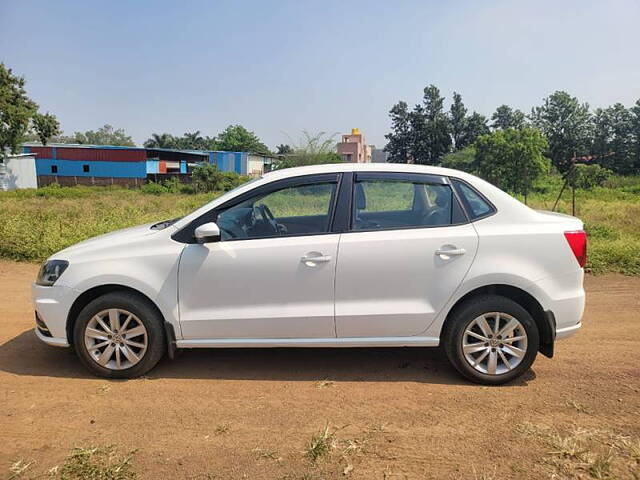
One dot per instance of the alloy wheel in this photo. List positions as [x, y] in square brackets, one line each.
[494, 343]
[116, 339]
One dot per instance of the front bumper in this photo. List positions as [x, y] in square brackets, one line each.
[52, 305]
[54, 342]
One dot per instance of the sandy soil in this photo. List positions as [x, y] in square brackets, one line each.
[402, 413]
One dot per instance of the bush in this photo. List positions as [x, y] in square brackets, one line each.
[589, 176]
[153, 188]
[460, 160]
[207, 178]
[56, 191]
[172, 185]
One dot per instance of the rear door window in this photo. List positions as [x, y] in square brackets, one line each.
[392, 202]
[476, 205]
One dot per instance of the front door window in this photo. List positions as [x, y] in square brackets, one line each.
[294, 210]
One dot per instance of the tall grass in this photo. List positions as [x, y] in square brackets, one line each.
[612, 219]
[36, 223]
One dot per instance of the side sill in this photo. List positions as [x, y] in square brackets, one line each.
[55, 342]
[309, 342]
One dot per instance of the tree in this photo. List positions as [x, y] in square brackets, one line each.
[284, 149]
[106, 135]
[399, 145]
[312, 149]
[475, 125]
[613, 139]
[458, 114]
[16, 109]
[236, 138]
[512, 159]
[505, 117]
[46, 126]
[434, 139]
[162, 140]
[429, 126]
[194, 141]
[565, 123]
[635, 132]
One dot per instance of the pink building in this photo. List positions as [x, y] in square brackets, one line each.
[353, 148]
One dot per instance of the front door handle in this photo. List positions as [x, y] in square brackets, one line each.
[312, 259]
[445, 254]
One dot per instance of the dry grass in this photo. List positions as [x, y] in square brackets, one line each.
[19, 468]
[325, 383]
[222, 429]
[92, 463]
[320, 445]
[598, 454]
[578, 407]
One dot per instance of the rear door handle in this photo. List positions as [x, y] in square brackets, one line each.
[444, 253]
[312, 260]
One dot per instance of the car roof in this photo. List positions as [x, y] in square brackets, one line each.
[360, 167]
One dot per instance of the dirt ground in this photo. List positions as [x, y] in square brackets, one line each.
[396, 413]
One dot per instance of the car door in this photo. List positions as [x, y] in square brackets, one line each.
[406, 250]
[272, 274]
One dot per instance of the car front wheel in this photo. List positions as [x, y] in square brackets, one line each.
[491, 340]
[119, 335]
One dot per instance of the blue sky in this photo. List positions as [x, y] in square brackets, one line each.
[280, 67]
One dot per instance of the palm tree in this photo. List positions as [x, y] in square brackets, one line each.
[192, 140]
[164, 140]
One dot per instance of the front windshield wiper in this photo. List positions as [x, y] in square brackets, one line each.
[164, 224]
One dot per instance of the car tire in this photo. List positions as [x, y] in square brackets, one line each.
[510, 357]
[128, 353]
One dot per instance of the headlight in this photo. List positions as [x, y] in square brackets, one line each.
[50, 272]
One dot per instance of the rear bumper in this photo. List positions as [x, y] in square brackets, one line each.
[566, 332]
[564, 296]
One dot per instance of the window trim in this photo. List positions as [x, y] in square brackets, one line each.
[425, 178]
[186, 233]
[465, 203]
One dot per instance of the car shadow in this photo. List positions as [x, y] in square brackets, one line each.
[26, 355]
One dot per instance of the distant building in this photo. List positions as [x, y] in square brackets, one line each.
[131, 166]
[378, 155]
[18, 171]
[243, 163]
[353, 148]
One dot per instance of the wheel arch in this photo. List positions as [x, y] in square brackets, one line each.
[91, 294]
[545, 320]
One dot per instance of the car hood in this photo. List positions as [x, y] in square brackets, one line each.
[111, 239]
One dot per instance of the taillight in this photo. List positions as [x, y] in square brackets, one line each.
[578, 242]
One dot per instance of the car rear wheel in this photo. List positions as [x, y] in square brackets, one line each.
[491, 340]
[119, 335]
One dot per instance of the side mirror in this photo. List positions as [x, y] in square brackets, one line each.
[207, 233]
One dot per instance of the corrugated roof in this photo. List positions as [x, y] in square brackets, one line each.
[81, 145]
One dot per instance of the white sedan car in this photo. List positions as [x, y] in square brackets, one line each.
[346, 255]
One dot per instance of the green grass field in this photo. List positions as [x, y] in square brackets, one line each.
[36, 223]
